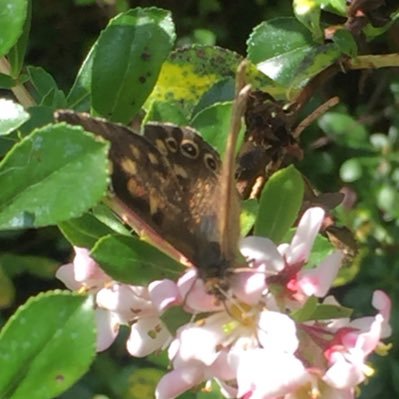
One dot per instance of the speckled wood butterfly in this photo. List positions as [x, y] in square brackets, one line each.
[171, 185]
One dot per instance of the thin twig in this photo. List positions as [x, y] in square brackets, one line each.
[322, 109]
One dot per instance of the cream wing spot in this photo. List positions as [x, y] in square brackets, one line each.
[135, 151]
[154, 204]
[161, 147]
[180, 171]
[136, 189]
[129, 166]
[153, 158]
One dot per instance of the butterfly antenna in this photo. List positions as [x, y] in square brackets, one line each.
[228, 190]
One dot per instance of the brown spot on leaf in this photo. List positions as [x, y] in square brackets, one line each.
[145, 56]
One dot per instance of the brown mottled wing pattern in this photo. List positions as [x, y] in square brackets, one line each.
[197, 167]
[195, 164]
[167, 178]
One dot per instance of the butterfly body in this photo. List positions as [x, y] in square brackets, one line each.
[167, 184]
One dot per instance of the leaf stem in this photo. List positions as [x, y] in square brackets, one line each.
[373, 61]
[19, 91]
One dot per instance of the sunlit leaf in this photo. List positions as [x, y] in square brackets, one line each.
[127, 60]
[43, 175]
[280, 202]
[46, 346]
[12, 18]
[12, 115]
[133, 261]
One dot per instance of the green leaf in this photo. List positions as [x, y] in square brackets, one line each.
[312, 310]
[249, 210]
[220, 92]
[190, 72]
[39, 115]
[387, 199]
[306, 311]
[279, 204]
[320, 250]
[17, 53]
[133, 261]
[345, 130]
[84, 231]
[162, 111]
[142, 383]
[107, 217]
[336, 6]
[12, 18]
[283, 50]
[351, 170]
[345, 42]
[326, 312]
[308, 13]
[6, 143]
[39, 266]
[79, 97]
[84, 2]
[6, 81]
[46, 346]
[12, 116]
[174, 318]
[127, 61]
[45, 91]
[214, 124]
[54, 174]
[7, 290]
[204, 36]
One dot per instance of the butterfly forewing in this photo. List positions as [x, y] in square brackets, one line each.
[168, 180]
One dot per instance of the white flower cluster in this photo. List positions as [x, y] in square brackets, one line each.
[254, 345]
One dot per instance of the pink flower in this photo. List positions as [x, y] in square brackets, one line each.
[266, 374]
[275, 335]
[82, 273]
[116, 304]
[283, 265]
[348, 352]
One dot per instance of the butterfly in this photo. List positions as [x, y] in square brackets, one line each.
[172, 186]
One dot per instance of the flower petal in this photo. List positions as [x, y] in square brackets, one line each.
[248, 286]
[194, 295]
[263, 374]
[343, 374]
[318, 281]
[262, 251]
[146, 336]
[87, 269]
[129, 302]
[163, 294]
[66, 274]
[382, 302]
[277, 332]
[107, 329]
[178, 381]
[305, 234]
[198, 344]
